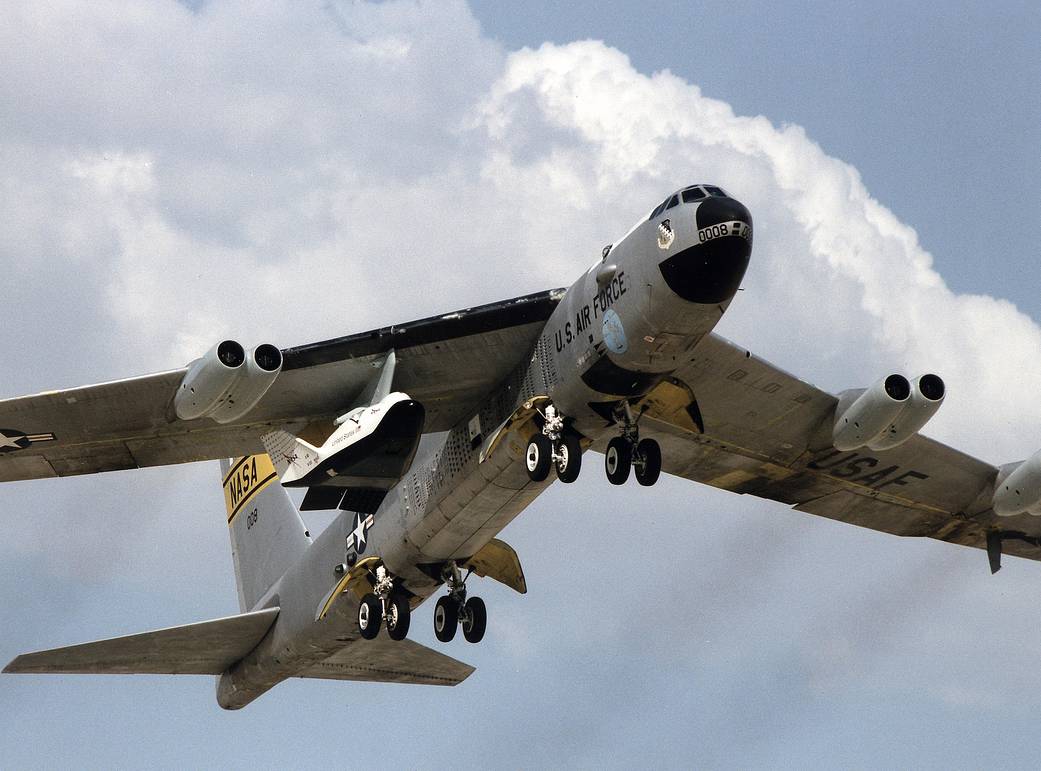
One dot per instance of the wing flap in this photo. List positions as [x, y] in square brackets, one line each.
[205, 648]
[391, 661]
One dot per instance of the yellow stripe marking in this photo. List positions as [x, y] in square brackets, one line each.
[248, 476]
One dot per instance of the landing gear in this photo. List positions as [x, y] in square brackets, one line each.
[618, 460]
[553, 446]
[446, 618]
[369, 616]
[455, 610]
[539, 457]
[647, 462]
[627, 451]
[383, 604]
[474, 620]
[398, 616]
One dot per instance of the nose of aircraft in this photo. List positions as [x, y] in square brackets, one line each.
[711, 270]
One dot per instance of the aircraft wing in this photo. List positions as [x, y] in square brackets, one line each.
[205, 648]
[768, 434]
[391, 661]
[448, 363]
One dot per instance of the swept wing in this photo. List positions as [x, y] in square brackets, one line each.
[449, 363]
[768, 434]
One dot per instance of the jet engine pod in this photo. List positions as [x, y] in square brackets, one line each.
[262, 367]
[225, 384]
[862, 416]
[1018, 488]
[208, 380]
[927, 394]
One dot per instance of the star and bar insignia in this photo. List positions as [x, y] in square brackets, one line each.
[12, 440]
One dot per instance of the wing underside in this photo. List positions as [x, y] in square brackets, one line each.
[448, 363]
[767, 433]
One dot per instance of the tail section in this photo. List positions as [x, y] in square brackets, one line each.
[293, 458]
[206, 648]
[267, 534]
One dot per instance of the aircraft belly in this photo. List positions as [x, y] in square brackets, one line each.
[484, 500]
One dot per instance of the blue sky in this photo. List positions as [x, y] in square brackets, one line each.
[295, 171]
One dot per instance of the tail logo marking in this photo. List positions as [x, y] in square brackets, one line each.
[246, 479]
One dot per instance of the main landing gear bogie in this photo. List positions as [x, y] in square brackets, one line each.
[384, 605]
[454, 610]
[553, 447]
[628, 452]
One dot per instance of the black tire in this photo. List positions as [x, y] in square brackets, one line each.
[446, 619]
[475, 620]
[369, 616]
[538, 457]
[400, 614]
[647, 473]
[618, 460]
[570, 462]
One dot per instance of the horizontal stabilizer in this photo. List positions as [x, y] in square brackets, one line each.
[390, 661]
[206, 648]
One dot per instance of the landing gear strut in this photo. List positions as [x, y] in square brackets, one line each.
[455, 610]
[383, 604]
[553, 446]
[628, 451]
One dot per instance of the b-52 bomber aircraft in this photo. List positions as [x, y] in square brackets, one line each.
[623, 362]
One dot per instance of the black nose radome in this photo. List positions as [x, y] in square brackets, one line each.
[711, 271]
[714, 211]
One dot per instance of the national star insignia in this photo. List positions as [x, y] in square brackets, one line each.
[12, 439]
[357, 536]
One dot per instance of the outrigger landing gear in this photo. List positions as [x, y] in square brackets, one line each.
[553, 446]
[454, 610]
[628, 451]
[384, 605]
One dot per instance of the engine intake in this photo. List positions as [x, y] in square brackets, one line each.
[225, 384]
[887, 414]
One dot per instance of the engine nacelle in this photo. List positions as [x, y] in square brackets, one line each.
[1018, 488]
[262, 367]
[208, 380]
[862, 417]
[927, 394]
[225, 384]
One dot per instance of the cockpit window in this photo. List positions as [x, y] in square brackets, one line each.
[658, 209]
[716, 192]
[693, 194]
[673, 201]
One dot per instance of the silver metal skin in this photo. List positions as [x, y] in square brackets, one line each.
[639, 319]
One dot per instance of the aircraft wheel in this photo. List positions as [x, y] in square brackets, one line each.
[570, 463]
[369, 614]
[647, 473]
[446, 619]
[475, 620]
[618, 460]
[398, 617]
[538, 457]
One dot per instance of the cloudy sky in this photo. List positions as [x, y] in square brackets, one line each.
[171, 174]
